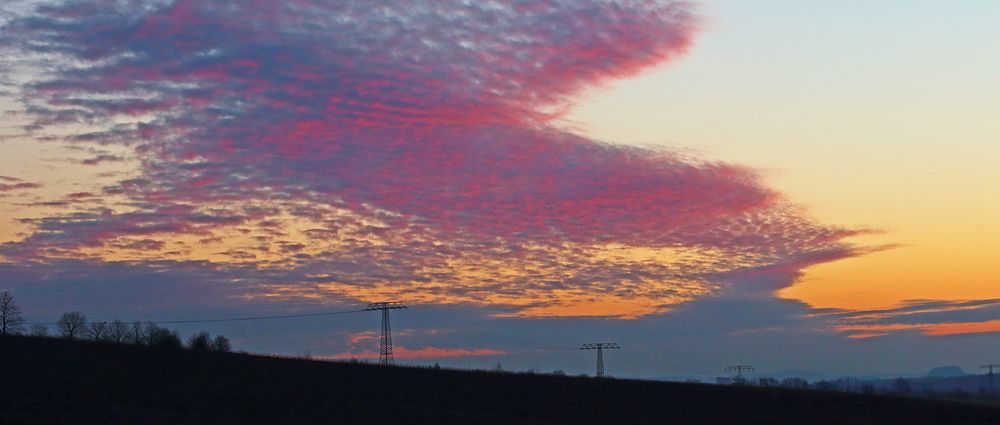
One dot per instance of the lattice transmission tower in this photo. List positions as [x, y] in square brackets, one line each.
[738, 370]
[991, 367]
[600, 347]
[385, 343]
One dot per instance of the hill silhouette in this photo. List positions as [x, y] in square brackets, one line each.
[49, 381]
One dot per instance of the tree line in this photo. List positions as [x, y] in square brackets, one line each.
[74, 325]
[898, 387]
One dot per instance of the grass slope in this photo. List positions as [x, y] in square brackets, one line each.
[54, 381]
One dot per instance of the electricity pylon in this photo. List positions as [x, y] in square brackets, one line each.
[600, 347]
[991, 367]
[385, 344]
[738, 370]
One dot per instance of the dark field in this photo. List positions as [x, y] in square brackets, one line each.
[50, 381]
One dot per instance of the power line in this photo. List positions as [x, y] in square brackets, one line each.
[520, 343]
[231, 319]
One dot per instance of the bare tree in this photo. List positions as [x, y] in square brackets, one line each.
[221, 344]
[10, 315]
[768, 382]
[135, 333]
[72, 324]
[39, 330]
[118, 331]
[795, 383]
[200, 341]
[97, 330]
[149, 333]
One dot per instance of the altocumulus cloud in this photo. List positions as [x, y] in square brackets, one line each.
[342, 151]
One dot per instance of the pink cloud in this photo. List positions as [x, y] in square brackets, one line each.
[13, 184]
[434, 120]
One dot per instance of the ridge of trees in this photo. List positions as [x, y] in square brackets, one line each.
[74, 325]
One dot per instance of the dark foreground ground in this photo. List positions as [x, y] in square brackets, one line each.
[50, 381]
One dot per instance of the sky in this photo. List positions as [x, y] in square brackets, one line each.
[792, 184]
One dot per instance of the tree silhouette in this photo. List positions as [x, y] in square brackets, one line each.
[165, 338]
[825, 386]
[118, 331]
[795, 383]
[97, 330]
[39, 330]
[71, 324]
[10, 315]
[135, 333]
[149, 333]
[200, 341]
[221, 344]
[768, 382]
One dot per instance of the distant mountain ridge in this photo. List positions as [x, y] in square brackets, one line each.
[946, 372]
